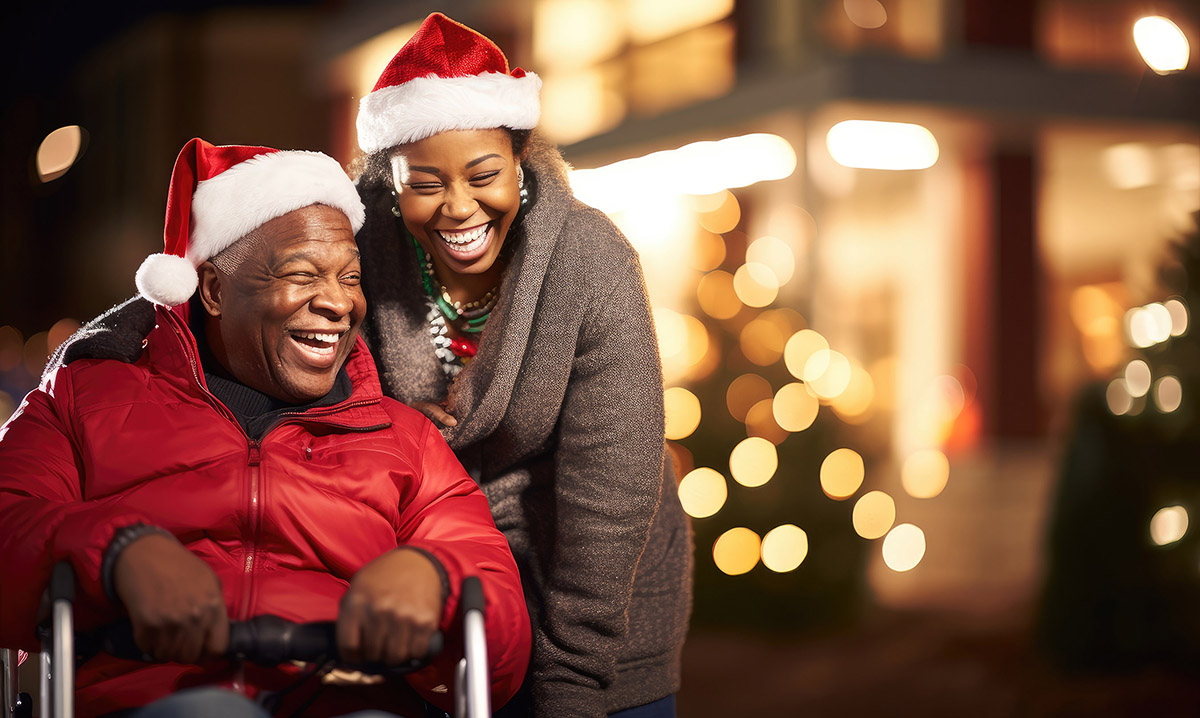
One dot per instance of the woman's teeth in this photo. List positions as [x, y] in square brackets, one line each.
[465, 239]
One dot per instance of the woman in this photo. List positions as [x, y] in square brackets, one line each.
[517, 318]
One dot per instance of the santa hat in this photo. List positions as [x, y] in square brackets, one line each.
[446, 77]
[219, 194]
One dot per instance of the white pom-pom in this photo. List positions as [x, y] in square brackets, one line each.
[166, 279]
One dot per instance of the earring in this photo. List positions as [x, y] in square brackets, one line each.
[521, 186]
[395, 204]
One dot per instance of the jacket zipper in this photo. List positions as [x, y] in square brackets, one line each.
[254, 514]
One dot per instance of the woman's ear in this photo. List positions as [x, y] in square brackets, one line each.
[210, 288]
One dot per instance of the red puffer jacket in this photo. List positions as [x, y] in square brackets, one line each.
[285, 521]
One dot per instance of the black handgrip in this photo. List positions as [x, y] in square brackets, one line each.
[472, 595]
[62, 582]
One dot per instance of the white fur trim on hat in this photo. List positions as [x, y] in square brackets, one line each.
[166, 279]
[246, 196]
[426, 106]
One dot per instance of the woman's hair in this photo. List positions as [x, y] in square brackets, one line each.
[375, 169]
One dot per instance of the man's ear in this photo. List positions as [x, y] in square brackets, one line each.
[210, 288]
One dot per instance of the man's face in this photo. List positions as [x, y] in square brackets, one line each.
[285, 319]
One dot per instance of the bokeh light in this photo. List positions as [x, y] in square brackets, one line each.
[799, 349]
[703, 492]
[760, 422]
[717, 296]
[1162, 44]
[762, 341]
[904, 547]
[867, 14]
[1137, 378]
[708, 251]
[755, 284]
[827, 372]
[744, 392]
[1168, 394]
[725, 217]
[60, 332]
[35, 353]
[736, 551]
[58, 152]
[7, 406]
[1118, 398]
[683, 412]
[12, 348]
[1168, 525]
[784, 548]
[869, 144]
[1179, 316]
[794, 408]
[774, 254]
[842, 473]
[854, 404]
[925, 473]
[874, 513]
[753, 461]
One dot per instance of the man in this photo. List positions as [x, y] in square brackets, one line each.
[248, 464]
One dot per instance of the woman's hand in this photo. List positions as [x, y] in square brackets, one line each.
[391, 609]
[174, 600]
[435, 412]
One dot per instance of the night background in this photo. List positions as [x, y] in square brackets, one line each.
[921, 272]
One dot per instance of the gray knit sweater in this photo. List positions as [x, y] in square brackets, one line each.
[560, 419]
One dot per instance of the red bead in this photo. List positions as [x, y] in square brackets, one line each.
[463, 347]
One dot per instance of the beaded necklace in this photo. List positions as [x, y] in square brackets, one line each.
[453, 352]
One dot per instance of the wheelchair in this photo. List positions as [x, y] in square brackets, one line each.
[267, 640]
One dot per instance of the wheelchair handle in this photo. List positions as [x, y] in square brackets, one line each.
[270, 641]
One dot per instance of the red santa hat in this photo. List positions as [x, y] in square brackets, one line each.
[219, 194]
[446, 77]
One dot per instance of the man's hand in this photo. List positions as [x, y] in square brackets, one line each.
[391, 609]
[174, 600]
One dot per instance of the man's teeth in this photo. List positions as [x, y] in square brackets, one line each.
[317, 336]
[463, 237]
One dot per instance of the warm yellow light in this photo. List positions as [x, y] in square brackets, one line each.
[1169, 524]
[841, 473]
[744, 392]
[760, 422]
[7, 406]
[853, 405]
[794, 408]
[827, 372]
[709, 251]
[799, 348]
[58, 152]
[1118, 398]
[904, 547]
[867, 14]
[925, 473]
[60, 332]
[868, 144]
[575, 33]
[1129, 165]
[578, 104]
[784, 548]
[1168, 394]
[672, 332]
[717, 296]
[774, 254]
[652, 20]
[703, 492]
[755, 284]
[762, 341]
[874, 513]
[683, 412]
[736, 551]
[753, 461]
[1162, 44]
[724, 218]
[696, 343]
[1137, 378]
[35, 353]
[1179, 316]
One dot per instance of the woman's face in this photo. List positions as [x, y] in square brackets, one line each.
[458, 196]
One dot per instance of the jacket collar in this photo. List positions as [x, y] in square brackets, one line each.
[171, 351]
